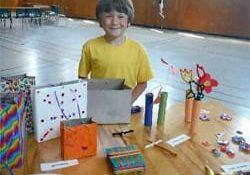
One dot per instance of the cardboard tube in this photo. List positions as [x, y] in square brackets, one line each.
[188, 109]
[162, 108]
[148, 109]
[195, 117]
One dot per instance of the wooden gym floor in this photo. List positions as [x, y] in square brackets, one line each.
[51, 52]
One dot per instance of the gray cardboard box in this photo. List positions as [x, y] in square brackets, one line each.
[109, 101]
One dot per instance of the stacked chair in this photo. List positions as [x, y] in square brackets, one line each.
[4, 15]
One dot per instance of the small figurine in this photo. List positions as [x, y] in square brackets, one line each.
[245, 147]
[230, 153]
[238, 139]
[216, 152]
[223, 142]
[225, 117]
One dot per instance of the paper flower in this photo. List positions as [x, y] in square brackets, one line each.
[186, 75]
[171, 68]
[205, 79]
[203, 83]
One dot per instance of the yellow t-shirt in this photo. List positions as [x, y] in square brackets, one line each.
[128, 61]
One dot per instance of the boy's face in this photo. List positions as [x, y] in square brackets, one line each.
[114, 24]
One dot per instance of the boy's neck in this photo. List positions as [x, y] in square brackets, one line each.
[115, 41]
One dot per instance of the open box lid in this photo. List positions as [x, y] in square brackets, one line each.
[106, 84]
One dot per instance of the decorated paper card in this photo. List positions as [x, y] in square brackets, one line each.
[53, 104]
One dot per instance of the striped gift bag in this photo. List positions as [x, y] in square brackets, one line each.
[12, 129]
[15, 84]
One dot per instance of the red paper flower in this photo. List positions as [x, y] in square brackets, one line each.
[207, 82]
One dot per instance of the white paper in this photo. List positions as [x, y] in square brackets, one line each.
[236, 167]
[177, 140]
[58, 165]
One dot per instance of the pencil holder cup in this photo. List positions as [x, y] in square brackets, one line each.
[195, 117]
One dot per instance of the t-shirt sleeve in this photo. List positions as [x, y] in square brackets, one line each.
[145, 72]
[84, 64]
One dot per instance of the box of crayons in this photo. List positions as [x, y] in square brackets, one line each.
[125, 159]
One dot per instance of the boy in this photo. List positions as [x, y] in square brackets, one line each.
[114, 55]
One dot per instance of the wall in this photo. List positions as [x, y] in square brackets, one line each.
[9, 3]
[222, 17]
[81, 8]
[225, 17]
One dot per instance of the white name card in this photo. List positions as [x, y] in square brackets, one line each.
[58, 165]
[236, 167]
[177, 140]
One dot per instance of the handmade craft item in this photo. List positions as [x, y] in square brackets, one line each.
[125, 159]
[12, 129]
[195, 117]
[203, 83]
[78, 138]
[53, 104]
[15, 84]
[188, 107]
[162, 108]
[187, 77]
[160, 146]
[162, 95]
[122, 135]
[148, 109]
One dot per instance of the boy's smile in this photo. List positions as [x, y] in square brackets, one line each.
[114, 24]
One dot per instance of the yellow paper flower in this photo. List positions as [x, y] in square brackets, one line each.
[186, 75]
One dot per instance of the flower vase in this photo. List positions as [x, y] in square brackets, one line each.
[188, 108]
[195, 117]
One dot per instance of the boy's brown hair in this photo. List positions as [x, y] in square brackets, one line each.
[121, 6]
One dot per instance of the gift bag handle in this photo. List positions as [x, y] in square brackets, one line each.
[58, 104]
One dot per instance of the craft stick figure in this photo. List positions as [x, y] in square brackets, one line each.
[160, 146]
[122, 134]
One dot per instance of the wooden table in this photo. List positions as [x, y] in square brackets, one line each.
[192, 155]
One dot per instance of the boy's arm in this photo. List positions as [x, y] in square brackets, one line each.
[138, 90]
